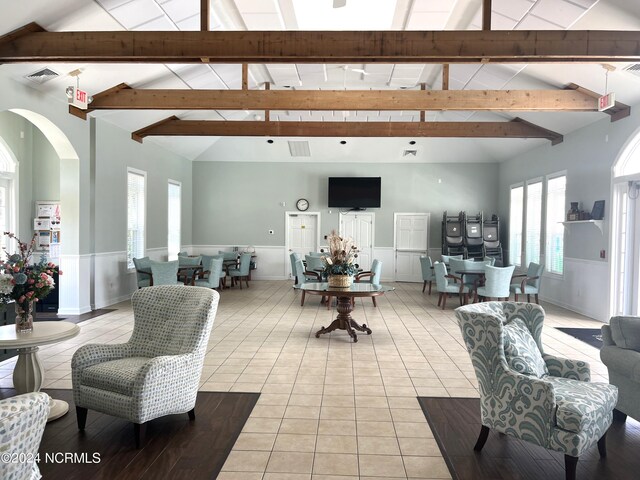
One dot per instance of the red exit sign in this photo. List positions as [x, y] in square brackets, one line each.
[80, 98]
[606, 101]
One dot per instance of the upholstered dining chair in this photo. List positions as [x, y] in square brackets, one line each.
[205, 261]
[458, 265]
[165, 273]
[527, 393]
[187, 275]
[143, 271]
[313, 263]
[446, 284]
[213, 275]
[496, 283]
[530, 284]
[372, 276]
[293, 258]
[242, 271]
[22, 422]
[304, 276]
[491, 261]
[428, 276]
[155, 373]
[446, 258]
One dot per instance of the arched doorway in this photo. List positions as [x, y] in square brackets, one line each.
[625, 230]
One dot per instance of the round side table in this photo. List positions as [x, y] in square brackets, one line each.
[28, 373]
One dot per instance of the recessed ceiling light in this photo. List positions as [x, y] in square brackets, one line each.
[343, 142]
[269, 141]
[412, 142]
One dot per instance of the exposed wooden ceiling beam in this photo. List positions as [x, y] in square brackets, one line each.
[501, 46]
[514, 129]
[121, 98]
[486, 14]
[617, 112]
[445, 76]
[205, 6]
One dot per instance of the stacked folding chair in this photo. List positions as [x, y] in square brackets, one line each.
[453, 234]
[473, 240]
[491, 235]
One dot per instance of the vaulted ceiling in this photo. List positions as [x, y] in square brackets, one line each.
[80, 15]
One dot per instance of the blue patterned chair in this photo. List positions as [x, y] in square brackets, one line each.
[165, 273]
[496, 283]
[213, 274]
[372, 275]
[143, 271]
[428, 275]
[22, 422]
[155, 373]
[242, 271]
[530, 284]
[528, 394]
[446, 284]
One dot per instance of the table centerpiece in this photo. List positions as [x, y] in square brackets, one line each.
[340, 260]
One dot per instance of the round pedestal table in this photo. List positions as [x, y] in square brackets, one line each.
[28, 373]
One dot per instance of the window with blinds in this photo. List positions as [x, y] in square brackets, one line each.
[534, 222]
[135, 215]
[515, 225]
[174, 222]
[554, 244]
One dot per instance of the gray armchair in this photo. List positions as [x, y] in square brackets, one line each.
[621, 354]
[155, 373]
[22, 422]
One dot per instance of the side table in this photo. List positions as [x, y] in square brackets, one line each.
[28, 374]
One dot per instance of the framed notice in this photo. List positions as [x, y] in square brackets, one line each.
[598, 210]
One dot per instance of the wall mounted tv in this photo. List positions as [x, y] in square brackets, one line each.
[354, 192]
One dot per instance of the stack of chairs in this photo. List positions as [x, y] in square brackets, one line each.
[473, 239]
[491, 235]
[453, 234]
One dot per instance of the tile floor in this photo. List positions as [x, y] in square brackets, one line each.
[330, 409]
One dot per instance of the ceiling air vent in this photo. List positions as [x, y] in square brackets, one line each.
[299, 148]
[634, 69]
[42, 76]
[410, 153]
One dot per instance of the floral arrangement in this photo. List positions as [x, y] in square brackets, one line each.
[21, 281]
[342, 255]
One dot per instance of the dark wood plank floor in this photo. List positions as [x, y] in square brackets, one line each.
[175, 447]
[455, 423]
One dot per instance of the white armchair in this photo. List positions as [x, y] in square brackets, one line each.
[22, 422]
[157, 372]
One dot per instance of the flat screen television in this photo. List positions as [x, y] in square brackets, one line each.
[354, 192]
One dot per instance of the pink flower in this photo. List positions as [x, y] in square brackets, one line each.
[59, 272]
[39, 285]
[16, 269]
[43, 276]
[31, 281]
[29, 294]
[21, 299]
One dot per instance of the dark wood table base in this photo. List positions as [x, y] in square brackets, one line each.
[344, 321]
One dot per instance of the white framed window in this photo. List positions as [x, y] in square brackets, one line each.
[533, 221]
[174, 206]
[136, 214]
[8, 193]
[554, 231]
[516, 208]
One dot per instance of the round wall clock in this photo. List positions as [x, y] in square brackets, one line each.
[302, 204]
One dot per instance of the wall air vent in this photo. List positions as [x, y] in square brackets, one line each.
[41, 76]
[410, 153]
[299, 148]
[634, 69]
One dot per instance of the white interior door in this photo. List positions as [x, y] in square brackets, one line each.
[302, 235]
[411, 234]
[359, 226]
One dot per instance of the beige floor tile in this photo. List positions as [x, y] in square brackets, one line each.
[335, 464]
[268, 411]
[239, 476]
[408, 429]
[300, 411]
[407, 415]
[381, 465]
[373, 414]
[336, 444]
[262, 425]
[338, 413]
[375, 429]
[290, 462]
[338, 401]
[286, 476]
[299, 426]
[255, 441]
[378, 446]
[372, 401]
[286, 442]
[306, 400]
[244, 461]
[337, 427]
[425, 447]
[426, 467]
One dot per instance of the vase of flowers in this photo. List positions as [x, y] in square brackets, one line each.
[24, 283]
[340, 261]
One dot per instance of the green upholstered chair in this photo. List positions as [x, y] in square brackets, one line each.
[317, 254]
[143, 271]
[530, 282]
[621, 354]
[187, 275]
[205, 261]
[427, 272]
[446, 284]
[491, 261]
[165, 273]
[372, 276]
[213, 274]
[313, 263]
[496, 283]
[183, 253]
[446, 258]
[528, 394]
[304, 276]
[293, 257]
[228, 255]
[242, 271]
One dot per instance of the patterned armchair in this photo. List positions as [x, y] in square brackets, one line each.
[157, 372]
[22, 422]
[525, 393]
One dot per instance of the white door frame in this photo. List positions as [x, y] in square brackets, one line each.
[373, 225]
[395, 223]
[287, 216]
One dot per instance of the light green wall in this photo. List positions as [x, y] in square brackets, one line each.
[115, 152]
[587, 155]
[242, 200]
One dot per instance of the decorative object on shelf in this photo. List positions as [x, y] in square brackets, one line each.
[340, 262]
[24, 283]
[574, 213]
[597, 213]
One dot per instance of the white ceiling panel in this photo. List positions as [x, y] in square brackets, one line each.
[427, 20]
[109, 4]
[257, 6]
[515, 9]
[314, 73]
[157, 24]
[263, 21]
[284, 74]
[188, 71]
[179, 10]
[136, 12]
[559, 12]
[207, 81]
[236, 114]
[463, 72]
[531, 22]
[230, 74]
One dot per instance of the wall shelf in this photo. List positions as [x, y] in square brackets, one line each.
[597, 223]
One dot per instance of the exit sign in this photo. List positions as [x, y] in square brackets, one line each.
[606, 101]
[79, 99]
